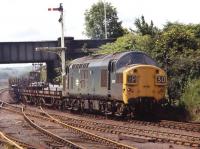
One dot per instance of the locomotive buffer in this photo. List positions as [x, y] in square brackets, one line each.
[60, 51]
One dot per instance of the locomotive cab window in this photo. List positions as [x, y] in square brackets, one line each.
[125, 61]
[141, 58]
[135, 58]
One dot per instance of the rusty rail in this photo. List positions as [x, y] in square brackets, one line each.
[89, 135]
[9, 141]
[51, 135]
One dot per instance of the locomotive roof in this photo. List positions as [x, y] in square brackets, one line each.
[101, 57]
[103, 60]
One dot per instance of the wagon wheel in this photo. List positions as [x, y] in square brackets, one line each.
[36, 101]
[102, 107]
[60, 105]
[41, 102]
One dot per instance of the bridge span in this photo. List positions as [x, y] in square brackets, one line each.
[24, 52]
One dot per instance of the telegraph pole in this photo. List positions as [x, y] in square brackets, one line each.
[58, 50]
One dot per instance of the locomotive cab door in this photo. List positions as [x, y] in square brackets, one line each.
[115, 85]
[111, 76]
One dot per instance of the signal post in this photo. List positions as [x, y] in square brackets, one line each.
[60, 51]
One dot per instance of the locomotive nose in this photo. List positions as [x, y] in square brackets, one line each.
[144, 81]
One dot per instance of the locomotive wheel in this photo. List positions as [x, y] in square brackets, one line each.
[27, 100]
[66, 104]
[82, 105]
[108, 108]
[57, 104]
[121, 110]
[76, 105]
[90, 105]
[35, 102]
[23, 99]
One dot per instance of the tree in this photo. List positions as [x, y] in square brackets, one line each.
[95, 23]
[129, 42]
[177, 50]
[144, 28]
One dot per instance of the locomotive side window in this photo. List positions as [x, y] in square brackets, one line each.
[104, 78]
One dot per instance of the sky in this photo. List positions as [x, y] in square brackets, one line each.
[30, 20]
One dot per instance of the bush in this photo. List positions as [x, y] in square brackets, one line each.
[190, 99]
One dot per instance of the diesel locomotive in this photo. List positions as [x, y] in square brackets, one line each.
[121, 83]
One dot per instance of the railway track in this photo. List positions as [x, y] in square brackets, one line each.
[10, 141]
[160, 136]
[50, 134]
[90, 136]
[55, 138]
[14, 142]
[187, 126]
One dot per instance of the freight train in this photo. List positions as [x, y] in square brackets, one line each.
[126, 83]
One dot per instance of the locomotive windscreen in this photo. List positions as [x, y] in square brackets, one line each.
[135, 58]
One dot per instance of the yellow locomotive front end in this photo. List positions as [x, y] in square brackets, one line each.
[144, 83]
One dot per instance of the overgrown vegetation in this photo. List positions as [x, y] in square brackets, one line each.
[190, 99]
[176, 48]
